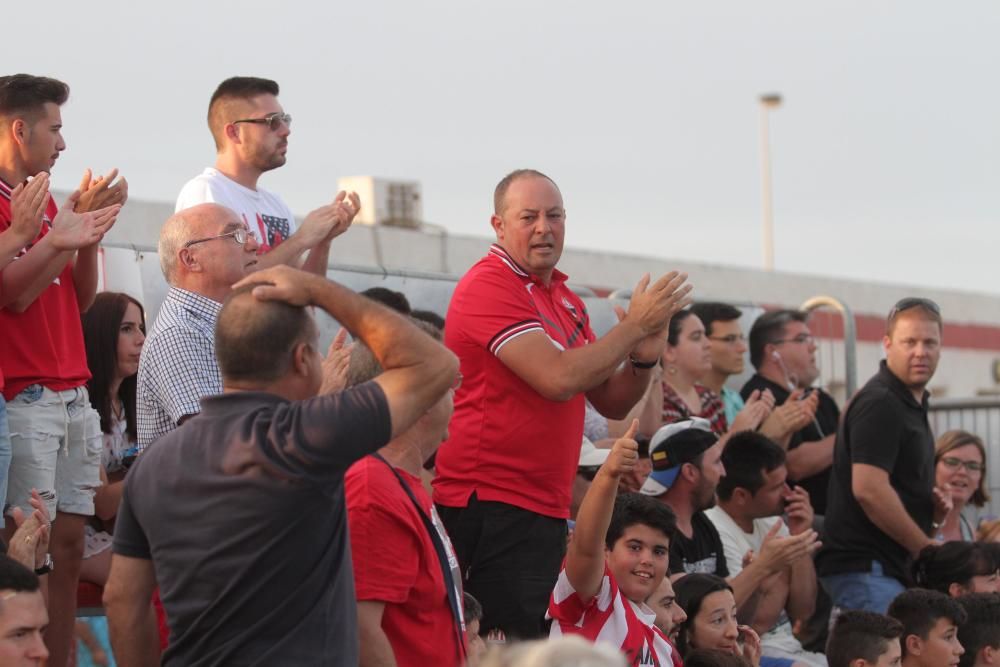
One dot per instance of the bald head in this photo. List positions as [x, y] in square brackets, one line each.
[255, 340]
[192, 223]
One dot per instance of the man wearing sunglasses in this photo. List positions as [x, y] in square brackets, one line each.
[883, 505]
[251, 132]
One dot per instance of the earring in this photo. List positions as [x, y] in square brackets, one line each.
[672, 370]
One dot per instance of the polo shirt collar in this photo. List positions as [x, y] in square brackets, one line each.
[198, 305]
[897, 386]
[498, 251]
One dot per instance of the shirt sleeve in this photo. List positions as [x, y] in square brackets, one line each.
[874, 431]
[314, 438]
[185, 369]
[129, 538]
[384, 546]
[493, 311]
[196, 191]
[565, 605]
[731, 544]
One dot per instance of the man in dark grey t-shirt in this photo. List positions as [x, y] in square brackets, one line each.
[239, 512]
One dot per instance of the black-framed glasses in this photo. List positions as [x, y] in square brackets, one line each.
[972, 466]
[808, 339]
[272, 120]
[240, 235]
[914, 302]
[730, 339]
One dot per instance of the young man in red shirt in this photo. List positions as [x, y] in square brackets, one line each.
[616, 560]
[55, 435]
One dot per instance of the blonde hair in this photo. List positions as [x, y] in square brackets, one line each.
[568, 651]
[952, 440]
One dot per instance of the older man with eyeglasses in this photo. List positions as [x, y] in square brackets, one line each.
[251, 131]
[203, 251]
[883, 504]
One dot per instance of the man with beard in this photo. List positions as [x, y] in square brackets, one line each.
[251, 132]
[687, 467]
[883, 505]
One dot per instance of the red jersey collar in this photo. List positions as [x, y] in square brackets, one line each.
[498, 251]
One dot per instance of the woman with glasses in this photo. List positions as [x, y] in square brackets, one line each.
[960, 459]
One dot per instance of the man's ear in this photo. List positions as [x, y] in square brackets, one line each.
[19, 130]
[956, 589]
[690, 472]
[914, 645]
[741, 496]
[232, 133]
[988, 655]
[496, 222]
[300, 358]
[187, 258]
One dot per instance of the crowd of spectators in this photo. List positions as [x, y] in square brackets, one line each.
[498, 486]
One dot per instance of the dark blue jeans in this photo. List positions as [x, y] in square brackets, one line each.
[867, 591]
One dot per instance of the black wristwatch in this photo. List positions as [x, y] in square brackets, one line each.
[47, 566]
[645, 365]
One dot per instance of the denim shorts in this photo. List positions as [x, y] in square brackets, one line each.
[866, 591]
[56, 443]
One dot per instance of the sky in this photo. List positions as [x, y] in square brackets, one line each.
[885, 151]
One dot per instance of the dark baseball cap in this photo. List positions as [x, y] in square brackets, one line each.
[671, 447]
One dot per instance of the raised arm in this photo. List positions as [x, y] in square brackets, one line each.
[585, 555]
[418, 369]
[559, 374]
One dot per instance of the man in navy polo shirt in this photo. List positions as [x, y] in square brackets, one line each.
[882, 503]
[529, 360]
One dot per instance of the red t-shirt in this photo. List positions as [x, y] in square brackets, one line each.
[44, 344]
[507, 442]
[610, 618]
[395, 563]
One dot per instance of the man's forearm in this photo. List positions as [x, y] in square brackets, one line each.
[133, 631]
[10, 245]
[85, 276]
[620, 392]
[418, 369]
[886, 511]
[375, 649]
[810, 458]
[318, 259]
[288, 252]
[25, 279]
[747, 582]
[802, 590]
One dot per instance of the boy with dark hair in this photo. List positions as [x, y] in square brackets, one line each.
[864, 639]
[980, 634]
[930, 628]
[617, 558]
[472, 611]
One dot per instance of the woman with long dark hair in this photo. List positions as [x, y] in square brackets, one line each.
[114, 329]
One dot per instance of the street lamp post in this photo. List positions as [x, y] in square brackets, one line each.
[767, 102]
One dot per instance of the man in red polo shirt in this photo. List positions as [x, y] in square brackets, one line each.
[529, 360]
[54, 433]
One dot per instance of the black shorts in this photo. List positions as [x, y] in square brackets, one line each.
[510, 559]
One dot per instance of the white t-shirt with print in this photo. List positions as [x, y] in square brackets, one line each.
[265, 213]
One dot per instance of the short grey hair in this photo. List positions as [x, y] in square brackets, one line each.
[172, 239]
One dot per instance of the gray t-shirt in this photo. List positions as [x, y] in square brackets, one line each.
[241, 510]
